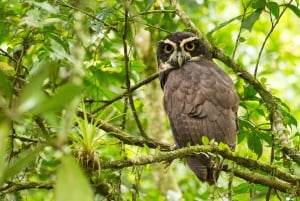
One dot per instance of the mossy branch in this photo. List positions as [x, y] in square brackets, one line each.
[13, 187]
[276, 179]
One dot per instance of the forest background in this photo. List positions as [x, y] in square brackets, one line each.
[81, 115]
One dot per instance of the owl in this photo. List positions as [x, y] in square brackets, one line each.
[199, 99]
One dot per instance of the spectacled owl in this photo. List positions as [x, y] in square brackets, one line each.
[199, 98]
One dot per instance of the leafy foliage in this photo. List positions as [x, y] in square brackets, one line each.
[73, 99]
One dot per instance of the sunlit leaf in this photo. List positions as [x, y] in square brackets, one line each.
[71, 183]
[149, 4]
[251, 19]
[47, 7]
[241, 188]
[294, 8]
[59, 40]
[205, 140]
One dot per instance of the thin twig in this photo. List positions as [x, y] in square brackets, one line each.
[124, 94]
[240, 30]
[273, 25]
[127, 75]
[152, 12]
[64, 4]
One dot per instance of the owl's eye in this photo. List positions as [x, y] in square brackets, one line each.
[189, 46]
[168, 48]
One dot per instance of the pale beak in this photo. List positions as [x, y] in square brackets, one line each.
[179, 59]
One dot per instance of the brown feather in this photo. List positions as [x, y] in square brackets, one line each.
[200, 100]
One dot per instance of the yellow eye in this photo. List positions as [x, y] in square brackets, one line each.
[168, 48]
[190, 46]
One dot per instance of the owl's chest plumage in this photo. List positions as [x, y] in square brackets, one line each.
[200, 99]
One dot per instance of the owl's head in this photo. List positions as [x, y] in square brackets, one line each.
[178, 48]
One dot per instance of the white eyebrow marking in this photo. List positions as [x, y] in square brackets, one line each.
[184, 41]
[171, 43]
[173, 54]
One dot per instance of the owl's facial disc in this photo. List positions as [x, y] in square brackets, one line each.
[177, 55]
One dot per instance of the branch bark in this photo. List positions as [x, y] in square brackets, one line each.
[13, 187]
[276, 179]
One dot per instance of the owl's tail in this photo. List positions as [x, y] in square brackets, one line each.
[204, 168]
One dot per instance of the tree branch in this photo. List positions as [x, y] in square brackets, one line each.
[279, 180]
[13, 187]
[133, 88]
[265, 180]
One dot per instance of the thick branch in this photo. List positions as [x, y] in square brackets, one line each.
[193, 150]
[13, 187]
[265, 180]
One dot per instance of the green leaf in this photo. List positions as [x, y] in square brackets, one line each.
[295, 9]
[24, 159]
[4, 133]
[59, 40]
[251, 19]
[5, 87]
[273, 8]
[254, 143]
[149, 4]
[249, 92]
[259, 4]
[205, 140]
[47, 7]
[104, 13]
[242, 39]
[32, 95]
[71, 183]
[241, 188]
[57, 102]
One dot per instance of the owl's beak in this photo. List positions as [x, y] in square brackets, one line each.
[179, 59]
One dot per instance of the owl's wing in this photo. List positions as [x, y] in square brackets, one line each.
[200, 100]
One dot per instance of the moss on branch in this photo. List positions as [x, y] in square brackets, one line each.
[284, 180]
